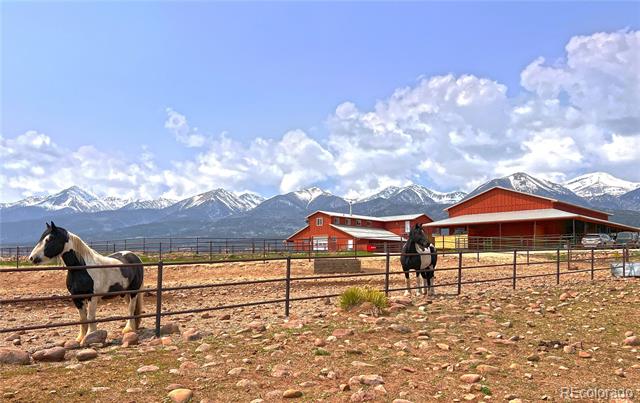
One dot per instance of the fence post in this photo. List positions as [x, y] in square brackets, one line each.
[253, 247]
[568, 257]
[160, 247]
[287, 291]
[144, 246]
[197, 246]
[459, 273]
[515, 265]
[114, 247]
[558, 267]
[624, 266]
[386, 273]
[159, 298]
[592, 263]
[17, 257]
[527, 257]
[170, 244]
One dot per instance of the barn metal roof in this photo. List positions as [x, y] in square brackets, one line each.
[371, 218]
[376, 234]
[522, 215]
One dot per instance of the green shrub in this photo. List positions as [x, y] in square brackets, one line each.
[355, 296]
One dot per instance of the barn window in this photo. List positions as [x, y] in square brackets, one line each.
[348, 221]
[358, 222]
[319, 221]
[368, 223]
[336, 220]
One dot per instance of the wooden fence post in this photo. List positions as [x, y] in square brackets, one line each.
[386, 272]
[210, 250]
[17, 257]
[160, 250]
[592, 263]
[159, 298]
[287, 291]
[624, 266]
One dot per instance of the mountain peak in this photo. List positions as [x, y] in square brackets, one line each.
[598, 184]
[310, 194]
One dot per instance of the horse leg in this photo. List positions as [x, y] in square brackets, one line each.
[418, 287]
[425, 284]
[91, 314]
[406, 279]
[82, 311]
[131, 323]
[431, 291]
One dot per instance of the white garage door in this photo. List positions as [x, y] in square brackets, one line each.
[320, 243]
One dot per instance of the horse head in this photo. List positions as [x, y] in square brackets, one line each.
[53, 242]
[418, 236]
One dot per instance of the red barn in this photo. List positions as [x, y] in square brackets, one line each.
[330, 231]
[501, 212]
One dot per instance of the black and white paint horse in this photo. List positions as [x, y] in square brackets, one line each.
[56, 242]
[420, 256]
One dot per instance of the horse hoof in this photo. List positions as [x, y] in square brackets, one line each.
[127, 329]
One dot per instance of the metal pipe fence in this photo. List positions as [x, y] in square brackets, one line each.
[288, 281]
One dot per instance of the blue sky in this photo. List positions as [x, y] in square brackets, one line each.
[97, 79]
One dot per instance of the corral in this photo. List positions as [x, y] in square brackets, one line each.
[194, 290]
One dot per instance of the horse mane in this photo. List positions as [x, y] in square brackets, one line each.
[84, 250]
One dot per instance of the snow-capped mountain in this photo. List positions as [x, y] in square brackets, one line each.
[148, 204]
[310, 194]
[526, 183]
[416, 194]
[251, 200]
[213, 204]
[75, 199]
[598, 184]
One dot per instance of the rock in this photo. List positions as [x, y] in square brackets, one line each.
[173, 386]
[470, 378]
[12, 355]
[564, 296]
[129, 339]
[569, 349]
[487, 369]
[180, 395]
[134, 390]
[203, 348]
[401, 401]
[54, 354]
[191, 335]
[631, 341]
[280, 371]
[236, 371]
[628, 333]
[584, 354]
[380, 389]
[372, 380]
[246, 384]
[443, 346]
[71, 345]
[292, 393]
[342, 332]
[226, 316]
[319, 342]
[402, 300]
[344, 387]
[533, 358]
[400, 328]
[169, 328]
[86, 354]
[98, 389]
[362, 395]
[147, 368]
[257, 326]
[620, 372]
[507, 324]
[97, 337]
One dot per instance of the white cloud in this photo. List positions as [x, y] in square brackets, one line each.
[177, 124]
[579, 113]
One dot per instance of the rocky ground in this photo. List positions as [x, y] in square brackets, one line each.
[490, 343]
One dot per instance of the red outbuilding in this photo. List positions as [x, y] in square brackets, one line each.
[329, 231]
[501, 212]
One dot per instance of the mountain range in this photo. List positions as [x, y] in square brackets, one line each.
[221, 213]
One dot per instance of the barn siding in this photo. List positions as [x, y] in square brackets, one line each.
[497, 201]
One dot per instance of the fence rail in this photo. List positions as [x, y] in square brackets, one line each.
[559, 257]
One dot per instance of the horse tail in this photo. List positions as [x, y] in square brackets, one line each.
[138, 309]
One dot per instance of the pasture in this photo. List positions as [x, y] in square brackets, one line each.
[405, 346]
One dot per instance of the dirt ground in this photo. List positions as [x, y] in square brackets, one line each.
[593, 316]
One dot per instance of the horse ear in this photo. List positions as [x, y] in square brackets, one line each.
[48, 226]
[53, 226]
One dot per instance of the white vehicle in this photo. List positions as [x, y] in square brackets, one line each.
[597, 240]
